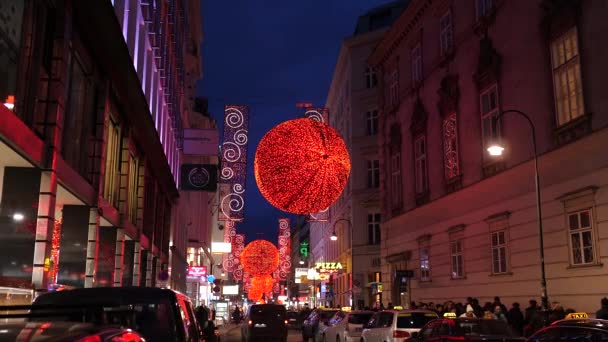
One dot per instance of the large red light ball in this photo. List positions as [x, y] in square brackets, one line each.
[301, 166]
[260, 258]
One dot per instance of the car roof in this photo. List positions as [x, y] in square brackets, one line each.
[359, 312]
[105, 295]
[410, 311]
[583, 322]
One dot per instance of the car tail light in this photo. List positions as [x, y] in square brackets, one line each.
[286, 322]
[127, 337]
[250, 322]
[400, 334]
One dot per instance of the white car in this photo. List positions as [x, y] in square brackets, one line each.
[346, 326]
[395, 326]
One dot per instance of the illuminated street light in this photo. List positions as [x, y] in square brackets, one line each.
[333, 237]
[18, 217]
[495, 150]
[301, 262]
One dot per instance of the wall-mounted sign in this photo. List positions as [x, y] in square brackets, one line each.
[221, 247]
[328, 267]
[198, 177]
[230, 290]
[304, 249]
[201, 142]
[299, 272]
[197, 271]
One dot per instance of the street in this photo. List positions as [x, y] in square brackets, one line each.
[232, 333]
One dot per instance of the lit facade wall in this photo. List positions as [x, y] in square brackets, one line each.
[463, 222]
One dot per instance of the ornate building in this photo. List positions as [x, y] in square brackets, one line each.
[95, 93]
[459, 218]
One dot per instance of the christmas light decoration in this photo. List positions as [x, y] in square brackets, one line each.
[284, 249]
[260, 258]
[301, 166]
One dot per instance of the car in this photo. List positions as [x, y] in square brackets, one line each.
[293, 320]
[346, 326]
[310, 326]
[395, 325]
[268, 321]
[157, 314]
[66, 332]
[466, 329]
[576, 327]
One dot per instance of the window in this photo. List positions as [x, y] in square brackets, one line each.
[371, 80]
[396, 197]
[456, 258]
[112, 163]
[567, 77]
[489, 111]
[450, 147]
[417, 63]
[484, 7]
[394, 87]
[372, 122]
[499, 252]
[446, 39]
[133, 187]
[581, 237]
[420, 164]
[373, 228]
[373, 173]
[425, 266]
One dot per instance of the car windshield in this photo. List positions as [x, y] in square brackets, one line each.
[411, 320]
[268, 311]
[359, 318]
[484, 327]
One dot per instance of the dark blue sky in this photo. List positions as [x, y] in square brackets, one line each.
[270, 54]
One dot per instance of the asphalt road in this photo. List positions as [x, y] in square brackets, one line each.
[232, 333]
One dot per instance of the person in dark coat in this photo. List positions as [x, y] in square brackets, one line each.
[516, 319]
[534, 318]
[603, 312]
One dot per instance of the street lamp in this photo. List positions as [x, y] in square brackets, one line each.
[333, 237]
[301, 262]
[496, 149]
[352, 292]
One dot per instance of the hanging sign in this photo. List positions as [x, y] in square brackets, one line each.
[328, 267]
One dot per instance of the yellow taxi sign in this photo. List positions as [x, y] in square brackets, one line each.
[577, 315]
[398, 307]
[346, 308]
[449, 315]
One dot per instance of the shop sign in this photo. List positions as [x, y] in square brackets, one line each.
[328, 267]
[197, 271]
[304, 249]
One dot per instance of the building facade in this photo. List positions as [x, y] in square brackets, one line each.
[461, 219]
[354, 105]
[91, 131]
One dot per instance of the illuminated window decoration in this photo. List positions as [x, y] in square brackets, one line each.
[55, 244]
[450, 147]
[260, 257]
[229, 236]
[238, 244]
[301, 166]
[284, 249]
[234, 163]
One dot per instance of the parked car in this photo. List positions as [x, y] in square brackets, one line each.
[346, 326]
[467, 329]
[393, 325]
[265, 321]
[157, 314]
[293, 320]
[310, 326]
[65, 332]
[573, 330]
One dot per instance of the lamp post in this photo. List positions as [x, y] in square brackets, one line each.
[334, 237]
[496, 149]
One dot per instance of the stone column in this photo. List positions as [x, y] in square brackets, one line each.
[91, 266]
[136, 264]
[44, 229]
[118, 259]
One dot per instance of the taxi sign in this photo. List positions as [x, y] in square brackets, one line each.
[398, 307]
[346, 308]
[449, 315]
[577, 315]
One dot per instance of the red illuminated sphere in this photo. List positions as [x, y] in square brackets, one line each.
[301, 166]
[260, 258]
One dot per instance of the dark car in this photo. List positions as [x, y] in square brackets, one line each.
[570, 330]
[316, 317]
[158, 314]
[267, 321]
[65, 332]
[293, 320]
[466, 329]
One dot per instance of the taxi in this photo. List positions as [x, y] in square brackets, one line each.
[575, 327]
[452, 328]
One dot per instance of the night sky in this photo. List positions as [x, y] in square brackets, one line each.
[270, 54]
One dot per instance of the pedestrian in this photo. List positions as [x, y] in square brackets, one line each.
[499, 314]
[469, 313]
[534, 318]
[499, 303]
[516, 319]
[602, 313]
[557, 312]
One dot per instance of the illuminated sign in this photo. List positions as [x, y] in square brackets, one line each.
[230, 290]
[577, 315]
[197, 271]
[221, 247]
[304, 249]
[328, 267]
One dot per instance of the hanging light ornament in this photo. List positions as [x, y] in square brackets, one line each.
[260, 258]
[301, 166]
